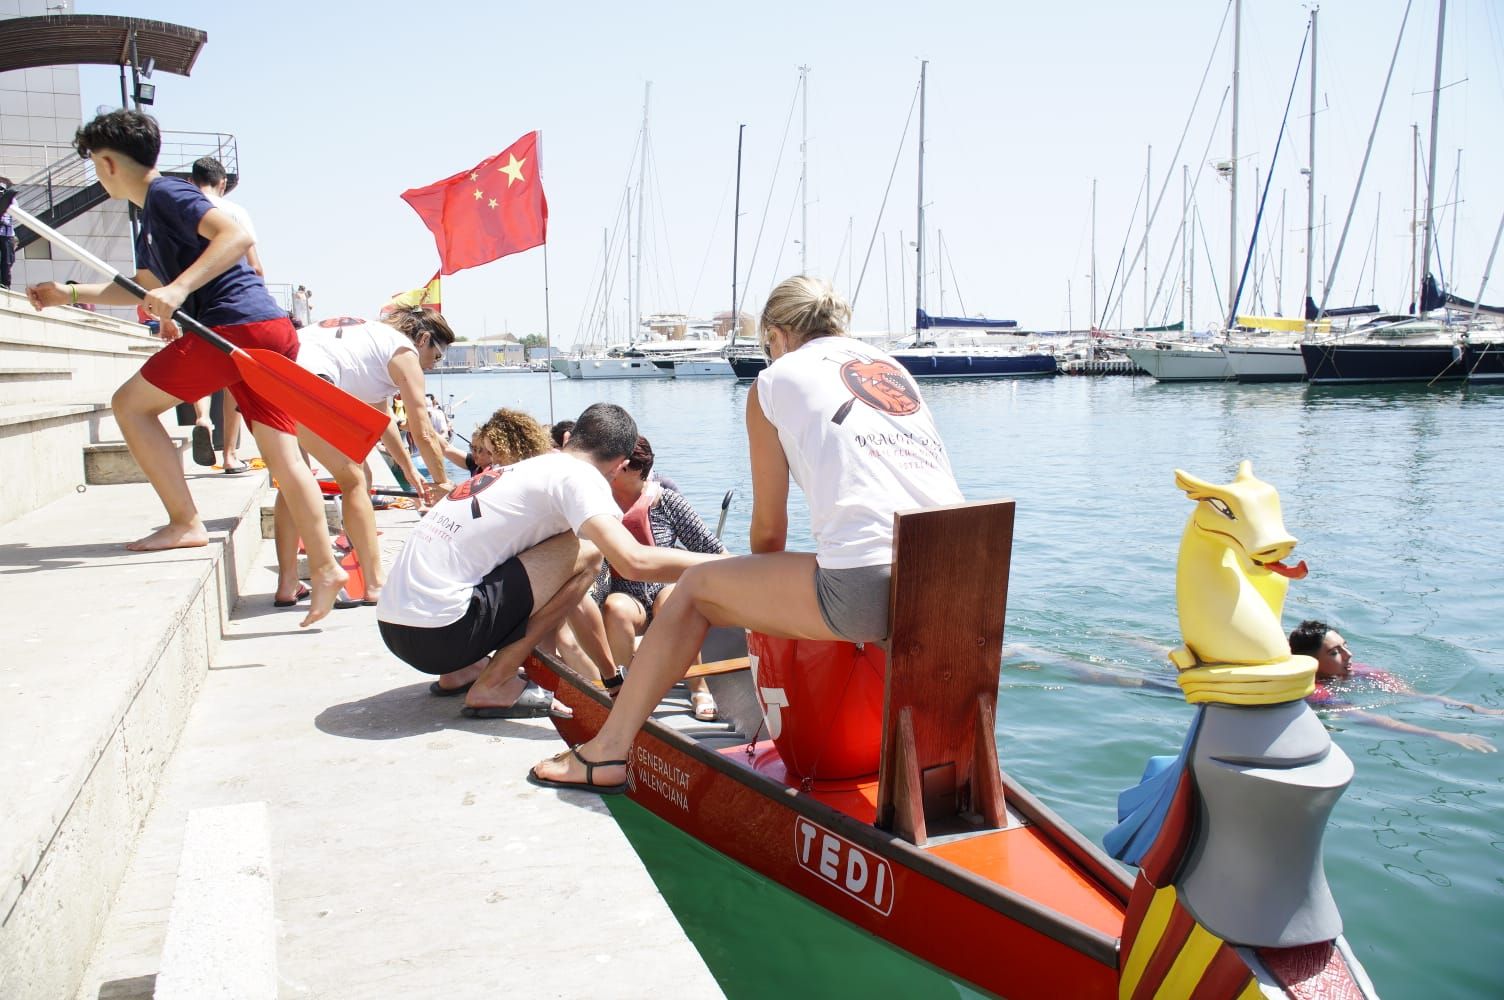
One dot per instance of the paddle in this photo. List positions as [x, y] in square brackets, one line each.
[725, 506]
[322, 407]
[331, 489]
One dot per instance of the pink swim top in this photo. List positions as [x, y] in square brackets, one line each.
[1329, 692]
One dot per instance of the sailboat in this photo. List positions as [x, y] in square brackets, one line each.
[937, 350]
[1406, 348]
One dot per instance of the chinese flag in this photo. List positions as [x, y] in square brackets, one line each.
[487, 212]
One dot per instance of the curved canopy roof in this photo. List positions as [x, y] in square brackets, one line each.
[97, 40]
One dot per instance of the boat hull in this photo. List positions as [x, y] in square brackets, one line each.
[704, 368]
[1339, 364]
[1265, 364]
[747, 367]
[935, 364]
[999, 938]
[602, 368]
[1182, 364]
[1485, 362]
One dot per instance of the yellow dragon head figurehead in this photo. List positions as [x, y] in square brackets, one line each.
[1245, 515]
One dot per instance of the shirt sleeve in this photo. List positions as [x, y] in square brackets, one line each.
[690, 530]
[582, 493]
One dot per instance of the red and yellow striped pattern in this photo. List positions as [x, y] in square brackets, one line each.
[1167, 955]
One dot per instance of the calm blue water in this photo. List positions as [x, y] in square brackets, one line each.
[1394, 493]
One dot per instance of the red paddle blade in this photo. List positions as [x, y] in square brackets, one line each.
[323, 407]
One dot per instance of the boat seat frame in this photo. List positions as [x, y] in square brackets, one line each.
[939, 770]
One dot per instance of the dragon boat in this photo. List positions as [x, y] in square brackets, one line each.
[867, 785]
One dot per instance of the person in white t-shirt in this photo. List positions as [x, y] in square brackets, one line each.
[847, 422]
[210, 177]
[504, 559]
[371, 361]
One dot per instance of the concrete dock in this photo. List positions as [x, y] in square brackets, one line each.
[406, 854]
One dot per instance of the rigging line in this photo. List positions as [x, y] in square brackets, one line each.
[1175, 244]
[608, 271]
[1175, 157]
[1206, 248]
[886, 191]
[1326, 289]
[598, 291]
[1107, 304]
[668, 249]
[715, 228]
[1253, 240]
[954, 283]
[783, 143]
[787, 225]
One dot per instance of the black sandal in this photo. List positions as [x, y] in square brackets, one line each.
[613, 684]
[589, 784]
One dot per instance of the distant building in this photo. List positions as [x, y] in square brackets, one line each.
[746, 327]
[40, 109]
[484, 354]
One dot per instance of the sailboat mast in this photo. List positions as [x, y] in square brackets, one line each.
[1232, 200]
[919, 256]
[1093, 253]
[1148, 194]
[1311, 176]
[1414, 215]
[804, 172]
[1425, 256]
[642, 170]
[736, 222]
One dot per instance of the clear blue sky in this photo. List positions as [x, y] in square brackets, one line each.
[339, 107]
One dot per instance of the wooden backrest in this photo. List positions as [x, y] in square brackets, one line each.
[949, 597]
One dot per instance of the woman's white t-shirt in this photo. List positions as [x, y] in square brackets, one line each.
[354, 355]
[483, 523]
[860, 443]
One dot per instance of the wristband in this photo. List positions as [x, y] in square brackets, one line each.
[73, 295]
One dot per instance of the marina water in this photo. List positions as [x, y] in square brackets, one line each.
[1394, 493]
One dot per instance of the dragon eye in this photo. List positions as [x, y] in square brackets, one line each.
[1221, 507]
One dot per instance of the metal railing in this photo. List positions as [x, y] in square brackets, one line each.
[67, 186]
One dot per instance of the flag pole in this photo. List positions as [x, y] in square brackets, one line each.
[548, 332]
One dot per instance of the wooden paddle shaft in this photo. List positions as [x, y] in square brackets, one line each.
[130, 285]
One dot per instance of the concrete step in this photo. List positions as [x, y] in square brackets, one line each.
[41, 447]
[110, 463]
[106, 650]
[33, 383]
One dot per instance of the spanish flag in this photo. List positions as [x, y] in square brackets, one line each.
[426, 297]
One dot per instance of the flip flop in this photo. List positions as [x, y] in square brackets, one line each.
[589, 784]
[237, 468]
[203, 446]
[345, 601]
[532, 703]
[302, 594]
[439, 691]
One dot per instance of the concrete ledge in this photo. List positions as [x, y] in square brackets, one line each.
[110, 463]
[221, 934]
[40, 445]
[106, 653]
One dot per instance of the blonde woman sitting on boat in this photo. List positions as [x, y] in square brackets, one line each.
[371, 361]
[849, 425]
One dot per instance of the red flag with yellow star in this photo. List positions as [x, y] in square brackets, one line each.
[496, 208]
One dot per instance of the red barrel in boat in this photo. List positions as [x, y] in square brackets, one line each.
[822, 703]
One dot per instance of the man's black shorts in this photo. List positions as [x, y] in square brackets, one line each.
[499, 609]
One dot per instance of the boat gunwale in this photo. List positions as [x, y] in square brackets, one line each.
[1089, 860]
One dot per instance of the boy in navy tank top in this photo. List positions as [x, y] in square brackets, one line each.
[190, 255]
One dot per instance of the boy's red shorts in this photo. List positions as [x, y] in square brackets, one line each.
[191, 368]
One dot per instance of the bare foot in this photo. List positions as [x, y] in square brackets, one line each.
[505, 695]
[566, 767]
[172, 536]
[326, 588]
[464, 675]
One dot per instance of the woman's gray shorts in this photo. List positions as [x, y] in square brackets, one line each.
[854, 602]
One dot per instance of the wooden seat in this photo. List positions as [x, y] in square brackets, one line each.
[939, 771]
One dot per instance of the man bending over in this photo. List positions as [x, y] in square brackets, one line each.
[503, 560]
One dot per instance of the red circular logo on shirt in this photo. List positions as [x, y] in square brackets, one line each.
[334, 322]
[881, 386]
[478, 484]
